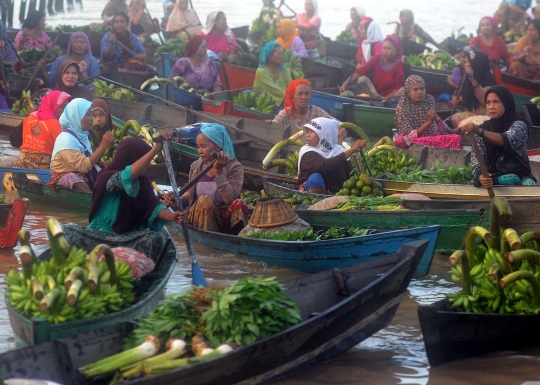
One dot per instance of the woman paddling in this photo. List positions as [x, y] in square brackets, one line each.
[115, 53]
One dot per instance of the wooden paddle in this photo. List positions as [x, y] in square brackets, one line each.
[459, 93]
[283, 3]
[196, 178]
[482, 164]
[44, 57]
[532, 58]
[197, 275]
[154, 24]
[366, 163]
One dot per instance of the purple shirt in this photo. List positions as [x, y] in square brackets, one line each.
[204, 76]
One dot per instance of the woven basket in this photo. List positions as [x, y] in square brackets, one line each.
[271, 212]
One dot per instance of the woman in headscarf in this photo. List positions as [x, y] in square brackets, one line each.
[125, 210]
[527, 54]
[183, 20]
[40, 130]
[213, 203]
[114, 53]
[73, 163]
[407, 31]
[100, 112]
[112, 8]
[219, 37]
[383, 75]
[288, 38]
[478, 77]
[357, 14]
[7, 51]
[78, 50]
[272, 76]
[371, 40]
[322, 163]
[418, 123]
[141, 23]
[502, 141]
[69, 76]
[196, 69]
[309, 24]
[32, 35]
[489, 43]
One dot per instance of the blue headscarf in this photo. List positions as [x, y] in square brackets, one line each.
[266, 52]
[71, 119]
[219, 135]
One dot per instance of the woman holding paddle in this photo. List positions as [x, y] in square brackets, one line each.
[527, 54]
[32, 35]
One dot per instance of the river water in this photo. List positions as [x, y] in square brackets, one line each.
[396, 355]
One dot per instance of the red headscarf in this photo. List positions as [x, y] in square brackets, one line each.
[193, 45]
[50, 103]
[493, 22]
[397, 43]
[291, 89]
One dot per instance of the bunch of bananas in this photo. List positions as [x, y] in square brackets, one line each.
[293, 158]
[501, 273]
[439, 60]
[106, 90]
[536, 100]
[384, 158]
[145, 132]
[71, 285]
[23, 106]
[257, 102]
[291, 61]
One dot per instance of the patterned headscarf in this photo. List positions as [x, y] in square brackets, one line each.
[288, 31]
[266, 52]
[327, 131]
[49, 104]
[291, 89]
[219, 135]
[410, 115]
[77, 35]
[75, 91]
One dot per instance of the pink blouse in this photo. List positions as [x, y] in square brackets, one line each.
[30, 42]
[303, 20]
[220, 43]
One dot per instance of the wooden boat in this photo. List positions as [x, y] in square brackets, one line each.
[130, 78]
[515, 84]
[11, 221]
[149, 290]
[450, 335]
[316, 256]
[340, 308]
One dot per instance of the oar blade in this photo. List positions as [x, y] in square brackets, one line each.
[197, 275]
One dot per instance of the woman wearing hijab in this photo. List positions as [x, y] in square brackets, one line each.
[383, 75]
[219, 37]
[309, 24]
[100, 112]
[478, 76]
[213, 203]
[489, 43]
[73, 163]
[357, 14]
[7, 51]
[407, 31]
[418, 123]
[114, 53]
[288, 38]
[502, 141]
[80, 52]
[125, 210]
[112, 8]
[40, 130]
[69, 76]
[32, 35]
[527, 54]
[183, 20]
[272, 76]
[322, 163]
[196, 69]
[371, 40]
[141, 23]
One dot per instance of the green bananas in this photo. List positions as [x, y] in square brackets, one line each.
[24, 104]
[145, 132]
[257, 102]
[290, 61]
[106, 90]
[440, 60]
[384, 158]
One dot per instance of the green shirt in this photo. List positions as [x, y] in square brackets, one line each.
[265, 82]
[109, 206]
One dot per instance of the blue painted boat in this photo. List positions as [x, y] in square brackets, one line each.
[333, 104]
[317, 256]
[6, 176]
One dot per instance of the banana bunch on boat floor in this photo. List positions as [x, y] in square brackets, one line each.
[498, 274]
[178, 81]
[385, 158]
[71, 285]
[257, 102]
[145, 132]
[24, 104]
[106, 90]
[439, 60]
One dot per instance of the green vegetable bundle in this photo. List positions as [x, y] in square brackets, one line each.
[70, 28]
[440, 60]
[437, 174]
[311, 235]
[346, 37]
[355, 203]
[32, 55]
[175, 47]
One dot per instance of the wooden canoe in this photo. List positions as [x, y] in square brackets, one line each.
[316, 256]
[515, 84]
[340, 308]
[450, 335]
[11, 221]
[149, 290]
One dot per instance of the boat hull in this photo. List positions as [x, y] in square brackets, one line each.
[11, 221]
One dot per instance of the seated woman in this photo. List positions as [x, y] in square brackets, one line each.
[73, 162]
[272, 76]
[502, 141]
[322, 163]
[196, 69]
[385, 72]
[69, 75]
[371, 41]
[142, 24]
[183, 21]
[7, 50]
[125, 210]
[40, 130]
[512, 14]
[219, 37]
[357, 14]
[32, 35]
[112, 8]
[527, 54]
[288, 38]
[418, 123]
[100, 112]
[309, 24]
[407, 31]
[489, 43]
[478, 76]
[213, 203]
[80, 52]
[112, 53]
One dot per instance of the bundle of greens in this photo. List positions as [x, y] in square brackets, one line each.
[174, 47]
[311, 235]
[361, 203]
[437, 174]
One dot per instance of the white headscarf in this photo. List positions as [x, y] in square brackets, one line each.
[315, 9]
[327, 131]
[360, 11]
[374, 35]
[211, 21]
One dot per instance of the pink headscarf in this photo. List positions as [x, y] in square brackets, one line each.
[493, 22]
[397, 44]
[50, 103]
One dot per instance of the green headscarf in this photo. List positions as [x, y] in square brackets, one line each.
[266, 52]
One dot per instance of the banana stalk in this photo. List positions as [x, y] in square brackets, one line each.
[361, 134]
[111, 266]
[456, 257]
[384, 147]
[522, 255]
[75, 274]
[25, 254]
[37, 289]
[273, 152]
[155, 81]
[93, 279]
[48, 300]
[93, 257]
[469, 256]
[384, 140]
[528, 276]
[530, 236]
[24, 239]
[54, 231]
[73, 293]
[499, 210]
[512, 238]
[133, 124]
[281, 162]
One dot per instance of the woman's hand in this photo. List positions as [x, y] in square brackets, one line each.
[471, 127]
[359, 144]
[469, 71]
[107, 140]
[486, 182]
[181, 216]
[166, 136]
[344, 87]
[168, 200]
[6, 87]
[432, 117]
[41, 65]
[268, 121]
[221, 161]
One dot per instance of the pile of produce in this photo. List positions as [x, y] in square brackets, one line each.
[98, 29]
[257, 102]
[291, 61]
[24, 105]
[178, 81]
[439, 60]
[311, 235]
[150, 42]
[266, 22]
[70, 28]
[375, 204]
[536, 100]
[174, 47]
[103, 89]
[296, 198]
[346, 37]
[437, 174]
[145, 132]
[33, 55]
[498, 273]
[384, 158]
[362, 185]
[224, 318]
[71, 285]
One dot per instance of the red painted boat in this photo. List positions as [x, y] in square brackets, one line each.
[515, 84]
[236, 77]
[11, 221]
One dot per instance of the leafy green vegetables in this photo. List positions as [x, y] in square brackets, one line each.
[311, 235]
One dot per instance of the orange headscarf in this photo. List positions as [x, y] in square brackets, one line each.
[291, 89]
[288, 30]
